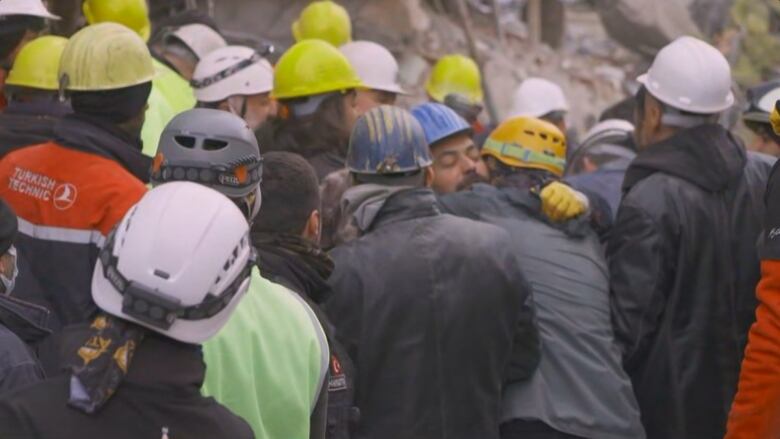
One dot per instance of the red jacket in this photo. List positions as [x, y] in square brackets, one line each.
[68, 194]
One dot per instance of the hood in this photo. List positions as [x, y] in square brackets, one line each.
[708, 156]
[38, 108]
[95, 136]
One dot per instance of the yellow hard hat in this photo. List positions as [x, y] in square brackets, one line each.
[313, 67]
[323, 20]
[774, 118]
[105, 56]
[37, 65]
[455, 74]
[526, 142]
[131, 13]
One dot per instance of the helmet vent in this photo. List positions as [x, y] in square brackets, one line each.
[185, 141]
[214, 144]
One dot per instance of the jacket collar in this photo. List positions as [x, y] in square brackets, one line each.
[525, 203]
[407, 205]
[163, 363]
[302, 268]
[708, 156]
[38, 108]
[28, 321]
[95, 136]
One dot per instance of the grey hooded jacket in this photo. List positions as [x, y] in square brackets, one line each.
[580, 387]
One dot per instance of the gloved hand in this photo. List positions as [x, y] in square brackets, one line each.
[561, 203]
[774, 118]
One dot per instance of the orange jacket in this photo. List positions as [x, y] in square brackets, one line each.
[68, 197]
[755, 413]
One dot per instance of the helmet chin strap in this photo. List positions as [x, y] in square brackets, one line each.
[250, 204]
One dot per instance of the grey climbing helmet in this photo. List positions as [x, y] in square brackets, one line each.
[211, 147]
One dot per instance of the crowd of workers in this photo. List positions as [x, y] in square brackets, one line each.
[199, 244]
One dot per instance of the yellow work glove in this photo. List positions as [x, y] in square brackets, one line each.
[774, 118]
[561, 203]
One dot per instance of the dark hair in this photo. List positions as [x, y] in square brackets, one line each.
[641, 97]
[290, 193]
[323, 131]
[623, 110]
[763, 130]
[12, 30]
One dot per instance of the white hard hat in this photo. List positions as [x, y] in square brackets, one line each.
[690, 75]
[536, 97]
[34, 8]
[232, 71]
[374, 64]
[199, 38]
[608, 128]
[178, 263]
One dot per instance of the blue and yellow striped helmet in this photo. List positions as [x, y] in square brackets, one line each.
[387, 140]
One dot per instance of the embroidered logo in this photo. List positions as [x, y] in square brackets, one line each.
[65, 196]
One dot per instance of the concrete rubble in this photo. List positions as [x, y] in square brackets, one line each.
[590, 67]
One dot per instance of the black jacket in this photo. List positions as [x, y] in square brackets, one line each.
[24, 124]
[684, 268]
[161, 391]
[430, 307]
[292, 270]
[21, 323]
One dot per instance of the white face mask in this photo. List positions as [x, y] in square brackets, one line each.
[9, 283]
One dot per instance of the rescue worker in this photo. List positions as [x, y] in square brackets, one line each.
[70, 191]
[273, 345]
[431, 307]
[182, 47]
[323, 20]
[580, 389]
[683, 261]
[171, 93]
[453, 151]
[761, 100]
[600, 162]
[20, 322]
[378, 70]
[21, 21]
[315, 87]
[542, 99]
[456, 81]
[455, 159]
[140, 363]
[32, 88]
[754, 411]
[286, 234]
[236, 79]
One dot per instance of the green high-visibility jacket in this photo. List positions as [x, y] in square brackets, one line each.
[269, 362]
[171, 94]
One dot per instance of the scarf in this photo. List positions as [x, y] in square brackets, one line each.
[106, 356]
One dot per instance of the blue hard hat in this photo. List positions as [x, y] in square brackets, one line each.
[387, 140]
[439, 121]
